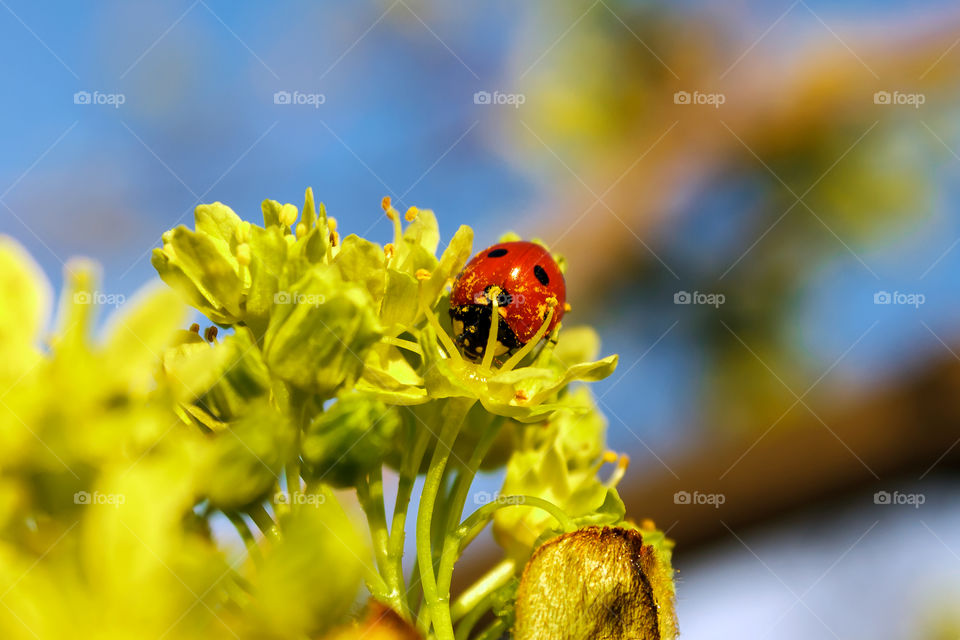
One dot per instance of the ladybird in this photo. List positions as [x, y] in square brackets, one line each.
[526, 277]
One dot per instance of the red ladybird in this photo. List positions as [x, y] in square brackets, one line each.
[527, 277]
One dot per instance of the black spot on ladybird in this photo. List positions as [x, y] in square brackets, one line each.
[541, 275]
[497, 253]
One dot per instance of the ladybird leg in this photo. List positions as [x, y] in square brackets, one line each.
[489, 352]
[538, 336]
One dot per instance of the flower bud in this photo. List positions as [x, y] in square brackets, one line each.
[597, 582]
[319, 332]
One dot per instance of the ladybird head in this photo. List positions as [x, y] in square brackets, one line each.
[472, 324]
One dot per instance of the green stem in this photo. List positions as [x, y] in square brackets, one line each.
[441, 513]
[249, 540]
[479, 518]
[470, 620]
[479, 590]
[404, 344]
[415, 598]
[408, 476]
[437, 603]
[370, 495]
[264, 522]
[461, 489]
[494, 631]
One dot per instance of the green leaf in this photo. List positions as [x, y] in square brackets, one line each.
[423, 232]
[271, 213]
[388, 376]
[454, 257]
[399, 309]
[611, 511]
[309, 215]
[585, 371]
[362, 262]
[218, 221]
[268, 255]
[212, 273]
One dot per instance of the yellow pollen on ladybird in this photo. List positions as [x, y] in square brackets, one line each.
[422, 274]
[243, 254]
[411, 214]
[552, 302]
[502, 311]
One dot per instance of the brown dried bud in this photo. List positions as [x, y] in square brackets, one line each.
[597, 582]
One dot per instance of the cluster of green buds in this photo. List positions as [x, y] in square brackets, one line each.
[340, 364]
[328, 366]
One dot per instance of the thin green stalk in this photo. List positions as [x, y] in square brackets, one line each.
[249, 540]
[441, 513]
[263, 521]
[494, 631]
[479, 518]
[370, 495]
[437, 603]
[460, 491]
[408, 476]
[415, 597]
[469, 621]
[492, 580]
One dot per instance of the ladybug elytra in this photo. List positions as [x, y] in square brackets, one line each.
[526, 282]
